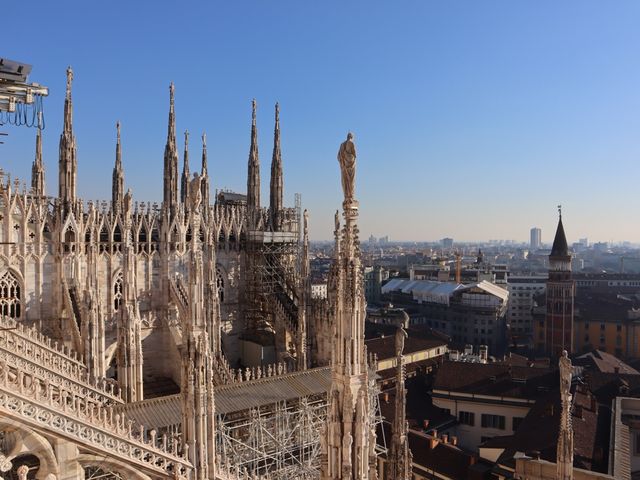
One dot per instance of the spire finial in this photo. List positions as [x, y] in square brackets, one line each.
[186, 139]
[204, 140]
[118, 130]
[69, 80]
[253, 111]
[560, 210]
[172, 90]
[277, 112]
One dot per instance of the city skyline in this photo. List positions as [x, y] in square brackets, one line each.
[471, 122]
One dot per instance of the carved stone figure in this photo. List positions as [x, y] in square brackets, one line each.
[196, 192]
[22, 472]
[347, 159]
[401, 334]
[128, 200]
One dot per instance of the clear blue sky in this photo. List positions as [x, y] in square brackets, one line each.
[473, 119]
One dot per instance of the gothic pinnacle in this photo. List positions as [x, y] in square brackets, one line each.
[37, 170]
[118, 147]
[253, 177]
[204, 154]
[276, 191]
[68, 112]
[184, 190]
[171, 134]
[117, 186]
[170, 175]
[69, 80]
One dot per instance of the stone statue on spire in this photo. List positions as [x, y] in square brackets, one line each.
[69, 80]
[347, 159]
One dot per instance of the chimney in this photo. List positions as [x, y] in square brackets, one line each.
[425, 423]
[445, 438]
[454, 441]
[433, 442]
[577, 411]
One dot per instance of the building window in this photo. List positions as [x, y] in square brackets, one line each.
[618, 328]
[602, 326]
[220, 284]
[516, 423]
[492, 421]
[467, 418]
[117, 292]
[10, 295]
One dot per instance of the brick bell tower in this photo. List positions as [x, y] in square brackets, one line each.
[561, 290]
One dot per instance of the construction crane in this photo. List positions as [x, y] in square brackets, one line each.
[20, 101]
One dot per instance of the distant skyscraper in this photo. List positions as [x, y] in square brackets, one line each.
[536, 238]
[447, 242]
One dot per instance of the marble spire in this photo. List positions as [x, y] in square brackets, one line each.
[204, 175]
[184, 185]
[117, 188]
[349, 438]
[253, 177]
[170, 191]
[67, 163]
[37, 169]
[276, 191]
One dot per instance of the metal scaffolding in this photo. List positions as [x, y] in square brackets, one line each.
[281, 441]
[275, 442]
[272, 260]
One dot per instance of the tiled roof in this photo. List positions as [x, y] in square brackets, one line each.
[495, 379]
[538, 431]
[236, 397]
[605, 362]
[385, 347]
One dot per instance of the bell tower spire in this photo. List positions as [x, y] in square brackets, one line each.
[184, 185]
[170, 196]
[557, 329]
[276, 192]
[37, 170]
[67, 163]
[253, 178]
[117, 189]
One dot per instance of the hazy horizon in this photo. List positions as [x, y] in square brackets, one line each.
[471, 120]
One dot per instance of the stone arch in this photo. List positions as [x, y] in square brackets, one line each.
[110, 465]
[26, 441]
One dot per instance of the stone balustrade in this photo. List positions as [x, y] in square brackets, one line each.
[41, 404]
[25, 348]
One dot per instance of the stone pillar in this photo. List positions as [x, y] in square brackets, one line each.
[67, 456]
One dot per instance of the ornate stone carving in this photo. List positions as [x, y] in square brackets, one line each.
[347, 159]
